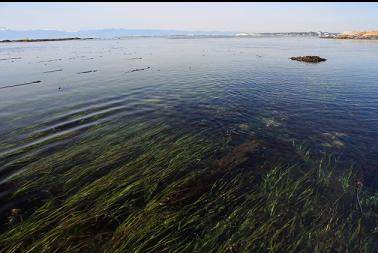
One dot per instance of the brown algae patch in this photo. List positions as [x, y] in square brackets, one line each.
[244, 126]
[270, 122]
[333, 140]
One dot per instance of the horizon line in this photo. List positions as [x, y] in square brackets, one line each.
[156, 29]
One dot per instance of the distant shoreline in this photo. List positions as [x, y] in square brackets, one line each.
[43, 40]
[350, 36]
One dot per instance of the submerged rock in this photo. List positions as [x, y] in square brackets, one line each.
[192, 191]
[15, 211]
[239, 155]
[308, 58]
[185, 194]
[253, 155]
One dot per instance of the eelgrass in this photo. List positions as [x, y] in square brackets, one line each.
[104, 194]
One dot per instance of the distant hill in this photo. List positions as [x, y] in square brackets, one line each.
[6, 34]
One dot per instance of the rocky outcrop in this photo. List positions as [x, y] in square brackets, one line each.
[308, 58]
[358, 35]
[371, 35]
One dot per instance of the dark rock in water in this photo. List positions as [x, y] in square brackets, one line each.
[186, 194]
[239, 155]
[308, 58]
[254, 155]
[200, 186]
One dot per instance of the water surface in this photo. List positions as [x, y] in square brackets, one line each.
[231, 88]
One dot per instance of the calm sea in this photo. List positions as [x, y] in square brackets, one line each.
[235, 87]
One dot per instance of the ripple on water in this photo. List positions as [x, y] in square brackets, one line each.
[238, 95]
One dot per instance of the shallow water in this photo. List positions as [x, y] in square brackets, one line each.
[232, 88]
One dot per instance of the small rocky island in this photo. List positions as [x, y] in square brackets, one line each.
[308, 58]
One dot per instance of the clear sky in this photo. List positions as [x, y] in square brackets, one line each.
[223, 16]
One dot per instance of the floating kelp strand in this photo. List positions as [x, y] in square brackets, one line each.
[134, 70]
[89, 71]
[51, 71]
[15, 85]
[14, 58]
[50, 60]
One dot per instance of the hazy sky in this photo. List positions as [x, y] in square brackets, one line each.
[237, 17]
